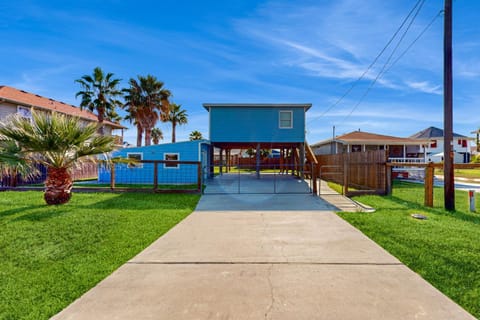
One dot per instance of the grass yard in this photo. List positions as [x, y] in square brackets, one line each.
[136, 186]
[50, 255]
[444, 250]
[463, 173]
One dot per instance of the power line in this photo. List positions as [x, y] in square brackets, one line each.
[414, 41]
[385, 64]
[371, 64]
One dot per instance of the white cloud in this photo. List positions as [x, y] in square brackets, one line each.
[425, 86]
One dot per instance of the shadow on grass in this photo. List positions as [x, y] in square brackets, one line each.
[42, 215]
[143, 201]
[15, 211]
[435, 210]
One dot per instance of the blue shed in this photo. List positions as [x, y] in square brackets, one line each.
[143, 173]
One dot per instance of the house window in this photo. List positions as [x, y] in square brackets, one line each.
[24, 112]
[433, 144]
[171, 157]
[285, 119]
[356, 148]
[464, 143]
[135, 156]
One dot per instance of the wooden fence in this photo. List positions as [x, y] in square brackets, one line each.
[85, 171]
[357, 172]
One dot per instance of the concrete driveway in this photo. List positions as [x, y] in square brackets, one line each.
[246, 263]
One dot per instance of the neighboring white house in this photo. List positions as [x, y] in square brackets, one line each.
[434, 149]
[21, 102]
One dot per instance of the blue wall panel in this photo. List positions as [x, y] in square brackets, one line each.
[143, 173]
[255, 124]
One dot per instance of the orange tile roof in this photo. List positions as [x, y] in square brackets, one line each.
[29, 99]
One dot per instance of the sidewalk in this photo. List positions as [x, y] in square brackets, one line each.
[263, 264]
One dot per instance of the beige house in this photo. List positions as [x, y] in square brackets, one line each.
[21, 102]
[399, 149]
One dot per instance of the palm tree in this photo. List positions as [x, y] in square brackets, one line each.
[157, 135]
[100, 95]
[133, 107]
[176, 116]
[146, 101]
[58, 142]
[196, 135]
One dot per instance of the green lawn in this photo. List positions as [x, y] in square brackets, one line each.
[136, 186]
[51, 255]
[444, 250]
[463, 173]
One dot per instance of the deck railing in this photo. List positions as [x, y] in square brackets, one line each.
[406, 160]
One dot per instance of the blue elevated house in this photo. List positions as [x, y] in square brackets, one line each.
[259, 126]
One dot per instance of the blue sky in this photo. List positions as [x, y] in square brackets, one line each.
[253, 51]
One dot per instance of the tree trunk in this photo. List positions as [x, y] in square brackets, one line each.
[100, 116]
[173, 131]
[58, 186]
[148, 135]
[139, 135]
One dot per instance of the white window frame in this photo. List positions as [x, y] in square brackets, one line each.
[280, 119]
[136, 165]
[165, 155]
[28, 110]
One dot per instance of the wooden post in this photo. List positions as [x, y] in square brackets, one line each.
[314, 178]
[292, 160]
[281, 160]
[211, 162]
[345, 173]
[257, 161]
[429, 173]
[199, 177]
[301, 161]
[388, 179]
[229, 159]
[221, 162]
[155, 175]
[112, 177]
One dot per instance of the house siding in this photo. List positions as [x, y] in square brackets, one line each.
[183, 174]
[7, 109]
[255, 124]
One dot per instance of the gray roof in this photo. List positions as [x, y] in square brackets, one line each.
[258, 105]
[433, 132]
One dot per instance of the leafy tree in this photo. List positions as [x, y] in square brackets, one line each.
[176, 116]
[264, 153]
[146, 102]
[100, 94]
[251, 152]
[196, 135]
[58, 142]
[157, 135]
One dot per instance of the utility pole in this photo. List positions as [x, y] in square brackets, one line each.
[448, 153]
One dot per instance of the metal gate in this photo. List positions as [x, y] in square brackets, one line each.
[266, 179]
